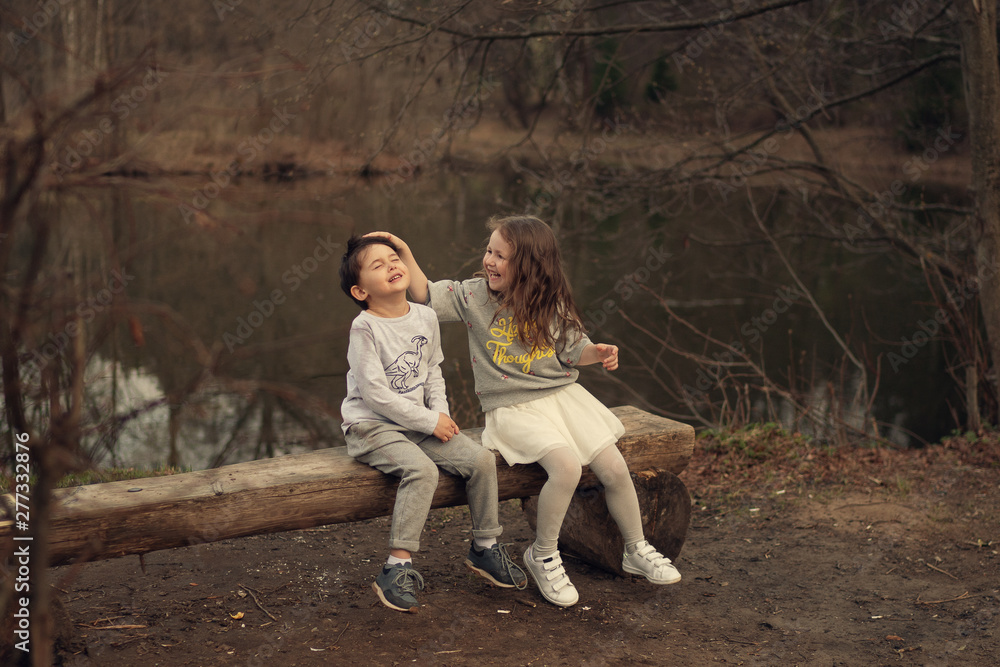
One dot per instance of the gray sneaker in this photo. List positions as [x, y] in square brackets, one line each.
[495, 565]
[395, 587]
[551, 578]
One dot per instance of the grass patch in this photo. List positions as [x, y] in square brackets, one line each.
[86, 477]
[116, 475]
[762, 463]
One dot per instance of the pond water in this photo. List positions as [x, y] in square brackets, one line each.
[257, 285]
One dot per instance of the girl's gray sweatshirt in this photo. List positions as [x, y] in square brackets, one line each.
[506, 372]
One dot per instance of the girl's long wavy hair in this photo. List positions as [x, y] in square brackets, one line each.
[539, 298]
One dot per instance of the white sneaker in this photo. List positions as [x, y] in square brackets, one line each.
[650, 563]
[551, 578]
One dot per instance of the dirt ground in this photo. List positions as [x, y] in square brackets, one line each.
[802, 557]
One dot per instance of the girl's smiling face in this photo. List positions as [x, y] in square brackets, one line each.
[496, 262]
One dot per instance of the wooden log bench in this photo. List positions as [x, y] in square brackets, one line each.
[327, 486]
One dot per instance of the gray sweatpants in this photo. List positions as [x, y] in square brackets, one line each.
[415, 458]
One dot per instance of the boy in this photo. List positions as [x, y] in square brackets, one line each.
[396, 419]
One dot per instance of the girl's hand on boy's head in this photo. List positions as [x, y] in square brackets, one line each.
[608, 355]
[418, 280]
[393, 239]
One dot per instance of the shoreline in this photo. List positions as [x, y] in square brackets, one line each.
[863, 156]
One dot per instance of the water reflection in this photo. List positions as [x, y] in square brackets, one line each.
[251, 291]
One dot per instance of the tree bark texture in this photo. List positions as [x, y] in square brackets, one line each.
[981, 76]
[589, 533]
[289, 493]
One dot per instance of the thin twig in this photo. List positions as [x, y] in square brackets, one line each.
[598, 31]
[739, 641]
[341, 634]
[805, 290]
[940, 570]
[963, 596]
[257, 601]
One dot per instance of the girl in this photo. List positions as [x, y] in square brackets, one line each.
[526, 340]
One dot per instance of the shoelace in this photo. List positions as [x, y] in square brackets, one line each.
[509, 565]
[405, 578]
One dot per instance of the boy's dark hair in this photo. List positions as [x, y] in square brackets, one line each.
[350, 264]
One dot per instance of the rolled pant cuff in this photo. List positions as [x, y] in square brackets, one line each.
[487, 532]
[405, 544]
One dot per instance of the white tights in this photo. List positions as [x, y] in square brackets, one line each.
[564, 470]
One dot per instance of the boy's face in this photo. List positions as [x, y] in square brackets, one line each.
[383, 275]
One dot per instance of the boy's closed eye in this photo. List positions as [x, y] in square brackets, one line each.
[379, 263]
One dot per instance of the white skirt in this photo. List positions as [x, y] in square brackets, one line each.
[570, 417]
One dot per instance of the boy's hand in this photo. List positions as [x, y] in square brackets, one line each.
[446, 428]
[607, 355]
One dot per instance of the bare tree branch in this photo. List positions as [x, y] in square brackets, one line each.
[636, 28]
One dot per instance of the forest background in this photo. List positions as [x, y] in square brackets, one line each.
[784, 211]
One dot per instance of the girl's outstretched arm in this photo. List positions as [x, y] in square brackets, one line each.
[600, 352]
[418, 281]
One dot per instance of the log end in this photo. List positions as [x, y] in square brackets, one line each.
[589, 532]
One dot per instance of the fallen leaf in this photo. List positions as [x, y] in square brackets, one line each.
[894, 638]
[135, 327]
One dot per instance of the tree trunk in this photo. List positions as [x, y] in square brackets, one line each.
[292, 492]
[589, 532]
[981, 75]
[3, 103]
